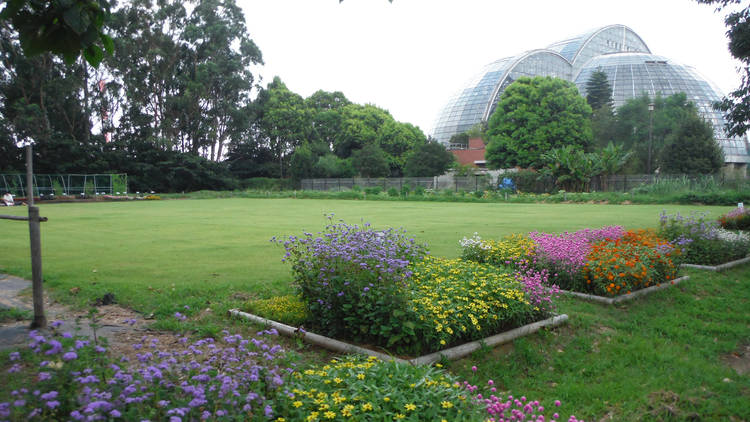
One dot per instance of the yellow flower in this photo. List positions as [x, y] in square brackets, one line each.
[297, 403]
[367, 406]
[398, 416]
[446, 404]
[312, 416]
[386, 399]
[329, 415]
[410, 406]
[360, 376]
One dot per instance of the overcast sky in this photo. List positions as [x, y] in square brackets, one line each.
[410, 55]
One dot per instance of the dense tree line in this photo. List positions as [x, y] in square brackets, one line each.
[177, 107]
[542, 123]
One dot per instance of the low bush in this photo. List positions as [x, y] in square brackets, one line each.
[702, 240]
[636, 260]
[606, 261]
[62, 377]
[737, 219]
[358, 388]
[289, 309]
[350, 278]
[379, 287]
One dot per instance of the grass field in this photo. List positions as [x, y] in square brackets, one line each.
[152, 253]
[659, 358]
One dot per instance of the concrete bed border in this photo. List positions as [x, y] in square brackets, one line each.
[451, 353]
[624, 298]
[720, 267]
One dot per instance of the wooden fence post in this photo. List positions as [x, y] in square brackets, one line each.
[40, 321]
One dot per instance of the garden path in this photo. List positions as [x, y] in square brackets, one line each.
[110, 318]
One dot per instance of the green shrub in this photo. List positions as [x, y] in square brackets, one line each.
[393, 192]
[373, 190]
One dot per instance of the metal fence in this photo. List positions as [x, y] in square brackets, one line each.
[526, 182]
[48, 185]
[466, 183]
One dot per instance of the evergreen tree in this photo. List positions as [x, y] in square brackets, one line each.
[598, 90]
[691, 149]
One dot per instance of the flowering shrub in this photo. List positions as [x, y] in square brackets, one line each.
[702, 240]
[737, 219]
[606, 261]
[350, 278]
[567, 252]
[68, 378]
[510, 251]
[637, 260]
[381, 288]
[454, 301]
[352, 388]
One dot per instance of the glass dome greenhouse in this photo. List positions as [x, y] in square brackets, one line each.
[616, 50]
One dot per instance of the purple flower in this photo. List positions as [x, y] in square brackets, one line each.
[70, 356]
[15, 356]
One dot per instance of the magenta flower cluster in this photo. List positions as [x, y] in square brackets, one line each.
[568, 252]
[508, 408]
[233, 378]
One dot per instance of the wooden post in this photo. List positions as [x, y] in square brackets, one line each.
[40, 321]
[29, 178]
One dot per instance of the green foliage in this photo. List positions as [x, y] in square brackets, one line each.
[691, 149]
[535, 115]
[67, 28]
[737, 105]
[370, 161]
[571, 168]
[428, 160]
[598, 91]
[634, 122]
[302, 163]
[288, 309]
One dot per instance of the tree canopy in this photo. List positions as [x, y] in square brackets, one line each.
[736, 105]
[533, 116]
[428, 160]
[691, 149]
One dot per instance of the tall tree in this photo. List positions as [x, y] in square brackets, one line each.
[284, 121]
[737, 104]
[219, 80]
[370, 161]
[598, 90]
[640, 130]
[428, 160]
[691, 149]
[535, 115]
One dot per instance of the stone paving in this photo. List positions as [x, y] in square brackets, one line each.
[15, 334]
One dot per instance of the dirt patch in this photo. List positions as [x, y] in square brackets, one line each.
[739, 360]
[666, 405]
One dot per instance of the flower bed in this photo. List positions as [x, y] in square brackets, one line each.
[381, 288]
[737, 219]
[704, 242]
[62, 377]
[606, 262]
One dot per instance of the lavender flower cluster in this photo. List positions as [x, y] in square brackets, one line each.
[72, 379]
[687, 229]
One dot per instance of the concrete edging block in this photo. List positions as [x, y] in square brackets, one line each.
[720, 267]
[450, 353]
[624, 298]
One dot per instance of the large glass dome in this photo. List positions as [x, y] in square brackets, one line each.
[634, 74]
[618, 51]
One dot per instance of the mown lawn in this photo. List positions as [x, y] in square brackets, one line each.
[659, 358]
[153, 253]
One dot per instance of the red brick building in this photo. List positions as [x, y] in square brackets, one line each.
[473, 156]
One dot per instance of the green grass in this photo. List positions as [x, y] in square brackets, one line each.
[657, 358]
[157, 256]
